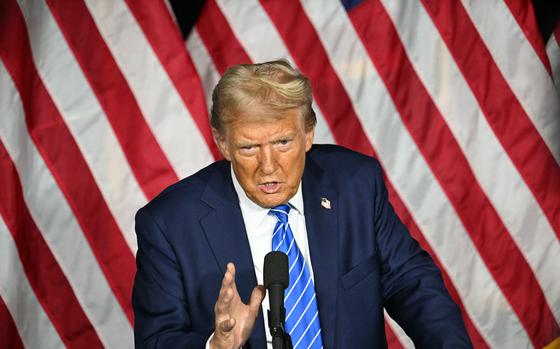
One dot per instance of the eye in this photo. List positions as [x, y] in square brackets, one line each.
[247, 150]
[284, 141]
[283, 144]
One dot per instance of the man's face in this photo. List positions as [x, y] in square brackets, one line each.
[267, 157]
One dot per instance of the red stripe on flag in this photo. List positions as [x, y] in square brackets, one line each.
[452, 170]
[524, 14]
[166, 40]
[9, 336]
[392, 340]
[64, 160]
[504, 113]
[148, 162]
[43, 272]
[220, 41]
[305, 47]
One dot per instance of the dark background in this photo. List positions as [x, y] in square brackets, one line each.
[546, 11]
[548, 15]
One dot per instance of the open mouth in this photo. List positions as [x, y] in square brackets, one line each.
[270, 187]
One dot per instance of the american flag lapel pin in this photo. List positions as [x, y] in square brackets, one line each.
[326, 203]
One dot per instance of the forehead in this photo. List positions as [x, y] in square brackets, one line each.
[254, 123]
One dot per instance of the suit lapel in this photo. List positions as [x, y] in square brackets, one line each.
[322, 234]
[225, 231]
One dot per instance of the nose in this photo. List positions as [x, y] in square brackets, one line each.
[268, 163]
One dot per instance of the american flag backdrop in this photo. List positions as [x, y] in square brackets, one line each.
[103, 104]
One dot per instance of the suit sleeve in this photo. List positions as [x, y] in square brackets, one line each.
[414, 293]
[161, 315]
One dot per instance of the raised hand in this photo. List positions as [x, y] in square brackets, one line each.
[234, 320]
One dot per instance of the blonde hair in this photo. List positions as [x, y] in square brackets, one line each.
[274, 85]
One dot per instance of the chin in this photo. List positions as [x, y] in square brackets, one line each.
[269, 202]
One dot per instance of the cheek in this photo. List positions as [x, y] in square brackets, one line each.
[293, 167]
[246, 169]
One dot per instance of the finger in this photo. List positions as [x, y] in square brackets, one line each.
[231, 268]
[256, 299]
[228, 281]
[226, 293]
[229, 276]
[224, 302]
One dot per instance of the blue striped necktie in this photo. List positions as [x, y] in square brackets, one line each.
[302, 315]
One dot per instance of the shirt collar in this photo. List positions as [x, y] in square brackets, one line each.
[254, 210]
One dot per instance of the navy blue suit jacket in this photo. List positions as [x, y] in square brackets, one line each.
[363, 260]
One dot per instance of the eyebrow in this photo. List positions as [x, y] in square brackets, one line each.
[289, 136]
[246, 144]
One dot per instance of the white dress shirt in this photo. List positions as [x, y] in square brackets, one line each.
[259, 226]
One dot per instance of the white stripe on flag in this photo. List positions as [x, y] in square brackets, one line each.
[553, 53]
[203, 64]
[34, 327]
[57, 223]
[169, 119]
[405, 341]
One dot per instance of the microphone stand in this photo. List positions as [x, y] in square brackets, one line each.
[280, 338]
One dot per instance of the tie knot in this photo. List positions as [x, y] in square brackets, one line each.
[281, 212]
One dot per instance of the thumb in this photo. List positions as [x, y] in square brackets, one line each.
[256, 299]
[227, 325]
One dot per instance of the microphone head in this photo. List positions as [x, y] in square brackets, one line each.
[276, 269]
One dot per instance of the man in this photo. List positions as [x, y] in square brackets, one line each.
[324, 206]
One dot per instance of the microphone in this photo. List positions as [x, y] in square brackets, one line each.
[276, 280]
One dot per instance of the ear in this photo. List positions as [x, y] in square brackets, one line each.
[309, 135]
[220, 140]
